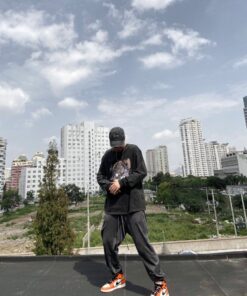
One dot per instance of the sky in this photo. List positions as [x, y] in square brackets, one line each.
[143, 65]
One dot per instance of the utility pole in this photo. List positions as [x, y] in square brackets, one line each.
[245, 218]
[207, 200]
[88, 221]
[215, 214]
[233, 217]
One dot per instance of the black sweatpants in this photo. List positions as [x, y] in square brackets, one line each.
[113, 233]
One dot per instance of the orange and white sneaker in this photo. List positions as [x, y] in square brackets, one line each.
[160, 289]
[117, 282]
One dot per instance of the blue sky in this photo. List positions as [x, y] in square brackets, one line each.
[140, 64]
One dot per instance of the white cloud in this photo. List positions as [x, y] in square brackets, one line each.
[161, 60]
[12, 99]
[71, 103]
[42, 112]
[81, 62]
[166, 134]
[36, 29]
[101, 36]
[95, 26]
[127, 19]
[161, 85]
[60, 77]
[189, 41]
[152, 4]
[210, 102]
[154, 40]
[112, 10]
[184, 46]
[204, 105]
[121, 106]
[131, 25]
[241, 63]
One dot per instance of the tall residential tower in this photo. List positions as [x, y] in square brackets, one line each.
[194, 152]
[215, 152]
[157, 161]
[83, 145]
[3, 147]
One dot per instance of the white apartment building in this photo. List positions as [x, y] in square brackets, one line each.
[157, 161]
[234, 163]
[83, 145]
[7, 174]
[194, 152]
[215, 152]
[3, 147]
[31, 177]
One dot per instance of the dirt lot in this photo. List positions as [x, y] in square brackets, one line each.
[14, 239]
[13, 236]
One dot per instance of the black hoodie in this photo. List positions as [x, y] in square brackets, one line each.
[131, 195]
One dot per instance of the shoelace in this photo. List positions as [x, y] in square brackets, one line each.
[157, 289]
[113, 279]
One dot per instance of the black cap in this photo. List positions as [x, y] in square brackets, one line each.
[117, 137]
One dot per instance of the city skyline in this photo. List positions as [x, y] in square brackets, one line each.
[143, 65]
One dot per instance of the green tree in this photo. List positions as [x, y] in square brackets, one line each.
[193, 182]
[30, 197]
[11, 199]
[187, 191]
[53, 233]
[215, 182]
[168, 192]
[158, 179]
[194, 200]
[74, 193]
[235, 180]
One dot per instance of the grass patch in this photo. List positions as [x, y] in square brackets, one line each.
[18, 213]
[10, 224]
[79, 225]
[13, 237]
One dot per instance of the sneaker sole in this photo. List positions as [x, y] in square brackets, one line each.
[113, 289]
[164, 295]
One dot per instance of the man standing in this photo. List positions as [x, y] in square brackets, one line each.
[121, 173]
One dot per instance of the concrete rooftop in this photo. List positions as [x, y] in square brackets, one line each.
[187, 275]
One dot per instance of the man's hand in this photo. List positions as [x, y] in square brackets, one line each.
[115, 187]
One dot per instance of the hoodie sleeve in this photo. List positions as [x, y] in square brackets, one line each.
[102, 175]
[138, 172]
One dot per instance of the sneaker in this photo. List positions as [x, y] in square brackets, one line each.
[117, 282]
[160, 289]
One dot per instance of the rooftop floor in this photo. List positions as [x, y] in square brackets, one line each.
[187, 275]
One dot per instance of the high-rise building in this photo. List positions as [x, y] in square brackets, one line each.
[194, 152]
[234, 163]
[3, 147]
[16, 168]
[157, 161]
[32, 176]
[215, 152]
[7, 175]
[245, 109]
[83, 145]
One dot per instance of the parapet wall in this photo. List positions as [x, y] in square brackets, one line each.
[176, 247]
